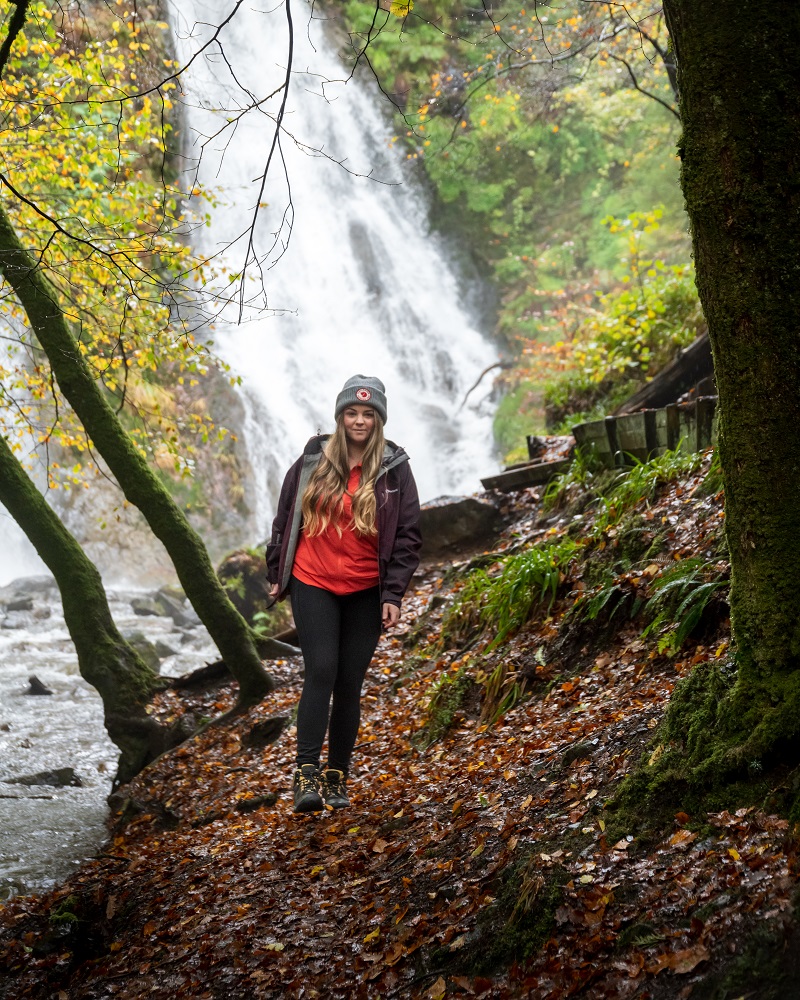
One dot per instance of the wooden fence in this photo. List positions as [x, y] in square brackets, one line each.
[618, 441]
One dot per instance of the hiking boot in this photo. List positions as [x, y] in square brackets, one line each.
[306, 789]
[334, 789]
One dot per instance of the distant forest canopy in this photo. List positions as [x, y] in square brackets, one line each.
[548, 134]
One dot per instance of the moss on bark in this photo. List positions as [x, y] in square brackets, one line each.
[105, 659]
[139, 483]
[738, 68]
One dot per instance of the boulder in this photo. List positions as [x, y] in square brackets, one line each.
[146, 606]
[20, 604]
[176, 608]
[243, 574]
[163, 604]
[59, 777]
[451, 523]
[144, 647]
[36, 686]
[26, 586]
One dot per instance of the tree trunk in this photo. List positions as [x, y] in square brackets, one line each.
[140, 485]
[106, 660]
[738, 73]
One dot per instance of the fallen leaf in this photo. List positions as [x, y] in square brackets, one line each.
[380, 846]
[438, 990]
[682, 839]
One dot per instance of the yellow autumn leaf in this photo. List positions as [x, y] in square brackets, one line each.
[401, 8]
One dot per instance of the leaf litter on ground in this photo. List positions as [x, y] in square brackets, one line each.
[211, 887]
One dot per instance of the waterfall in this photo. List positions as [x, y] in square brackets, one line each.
[364, 285]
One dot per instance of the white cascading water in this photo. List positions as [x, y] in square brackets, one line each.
[364, 286]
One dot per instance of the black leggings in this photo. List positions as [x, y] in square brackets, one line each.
[338, 636]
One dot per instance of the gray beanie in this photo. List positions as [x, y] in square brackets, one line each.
[363, 390]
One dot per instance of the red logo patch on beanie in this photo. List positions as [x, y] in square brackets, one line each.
[363, 394]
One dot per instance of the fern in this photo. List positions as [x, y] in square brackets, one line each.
[680, 597]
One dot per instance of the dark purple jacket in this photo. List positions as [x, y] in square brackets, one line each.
[399, 538]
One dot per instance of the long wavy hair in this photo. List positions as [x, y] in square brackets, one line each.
[323, 500]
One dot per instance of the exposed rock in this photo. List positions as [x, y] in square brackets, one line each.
[163, 649]
[146, 606]
[20, 604]
[175, 607]
[59, 777]
[144, 647]
[12, 623]
[36, 686]
[244, 575]
[162, 604]
[450, 523]
[25, 586]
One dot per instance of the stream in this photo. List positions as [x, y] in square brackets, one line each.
[46, 831]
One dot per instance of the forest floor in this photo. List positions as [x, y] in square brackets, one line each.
[483, 864]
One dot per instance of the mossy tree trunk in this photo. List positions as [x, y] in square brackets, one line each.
[106, 660]
[738, 73]
[139, 483]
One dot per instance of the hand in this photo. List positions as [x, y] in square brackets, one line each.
[273, 589]
[391, 615]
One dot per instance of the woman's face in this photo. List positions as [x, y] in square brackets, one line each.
[359, 423]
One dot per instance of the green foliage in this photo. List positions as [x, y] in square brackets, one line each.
[64, 913]
[514, 418]
[680, 596]
[640, 483]
[447, 695]
[521, 921]
[713, 482]
[585, 474]
[630, 333]
[505, 601]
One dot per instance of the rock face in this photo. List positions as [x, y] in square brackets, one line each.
[451, 523]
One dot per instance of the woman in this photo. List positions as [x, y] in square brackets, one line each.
[345, 544]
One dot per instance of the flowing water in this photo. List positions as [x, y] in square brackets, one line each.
[46, 831]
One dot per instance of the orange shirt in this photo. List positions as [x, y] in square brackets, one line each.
[343, 564]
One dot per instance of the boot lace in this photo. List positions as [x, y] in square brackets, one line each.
[305, 781]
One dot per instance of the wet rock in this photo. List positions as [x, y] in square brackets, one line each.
[20, 604]
[164, 649]
[12, 623]
[26, 586]
[243, 574]
[144, 647]
[146, 606]
[36, 686]
[59, 777]
[41, 613]
[450, 523]
[176, 609]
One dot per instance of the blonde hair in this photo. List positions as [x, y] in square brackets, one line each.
[323, 500]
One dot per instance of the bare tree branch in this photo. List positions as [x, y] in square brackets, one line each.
[641, 90]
